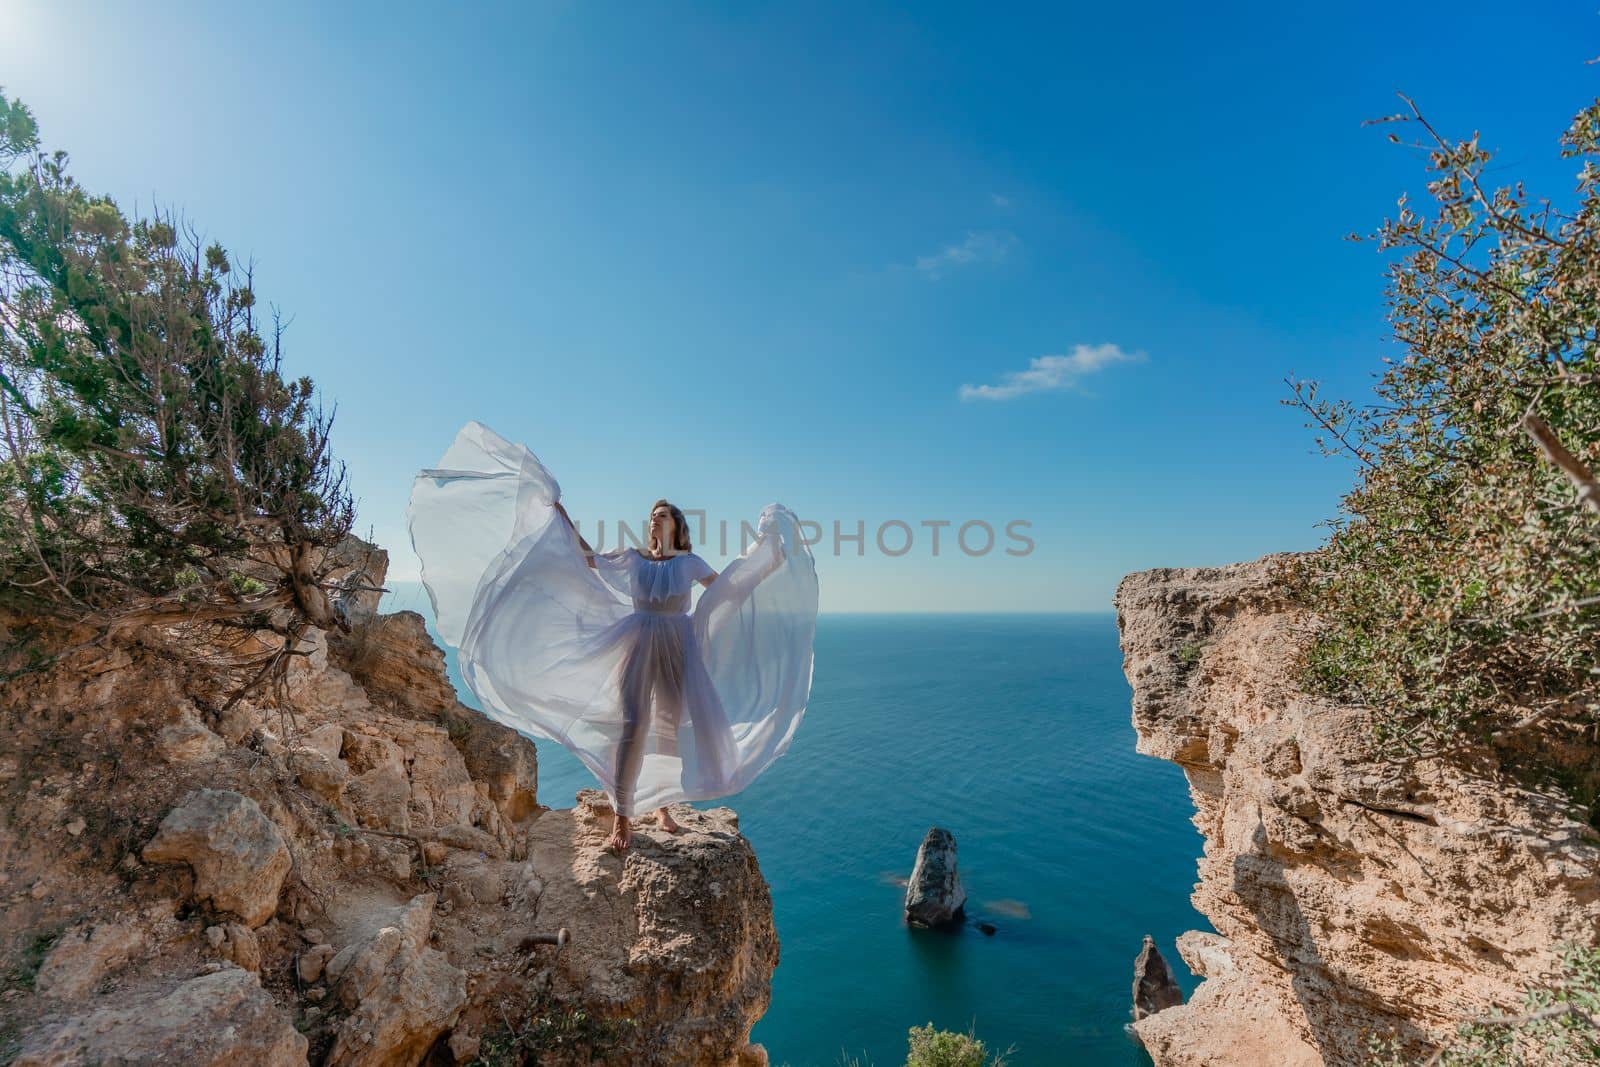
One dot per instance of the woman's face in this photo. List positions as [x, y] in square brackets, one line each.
[663, 530]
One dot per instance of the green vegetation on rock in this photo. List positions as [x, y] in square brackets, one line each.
[158, 470]
[1459, 591]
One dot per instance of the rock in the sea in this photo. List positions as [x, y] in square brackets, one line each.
[1154, 988]
[238, 856]
[934, 896]
[216, 1020]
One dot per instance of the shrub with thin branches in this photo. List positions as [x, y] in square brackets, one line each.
[1558, 1026]
[1458, 594]
[157, 469]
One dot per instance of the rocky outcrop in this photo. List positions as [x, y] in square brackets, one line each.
[1154, 987]
[934, 896]
[678, 932]
[223, 1019]
[366, 878]
[238, 857]
[401, 992]
[1350, 896]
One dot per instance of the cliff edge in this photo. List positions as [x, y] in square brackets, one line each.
[1349, 896]
[370, 880]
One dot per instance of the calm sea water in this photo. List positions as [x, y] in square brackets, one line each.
[1011, 731]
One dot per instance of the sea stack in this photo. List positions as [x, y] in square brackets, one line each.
[1154, 988]
[934, 897]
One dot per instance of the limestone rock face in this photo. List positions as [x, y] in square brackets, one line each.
[934, 896]
[238, 856]
[402, 994]
[676, 933]
[397, 664]
[500, 760]
[378, 878]
[1351, 896]
[215, 1020]
[188, 740]
[82, 957]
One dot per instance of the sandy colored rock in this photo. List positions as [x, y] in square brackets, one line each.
[423, 867]
[327, 740]
[504, 761]
[1352, 896]
[217, 1020]
[1207, 955]
[188, 740]
[464, 1047]
[398, 664]
[676, 934]
[80, 958]
[326, 777]
[238, 857]
[311, 963]
[358, 580]
[401, 993]
[241, 947]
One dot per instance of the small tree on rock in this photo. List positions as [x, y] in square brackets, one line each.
[157, 470]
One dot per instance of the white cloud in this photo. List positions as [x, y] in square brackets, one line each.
[1000, 201]
[990, 246]
[1050, 374]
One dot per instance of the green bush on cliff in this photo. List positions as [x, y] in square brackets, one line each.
[929, 1047]
[1459, 591]
[157, 470]
[553, 1032]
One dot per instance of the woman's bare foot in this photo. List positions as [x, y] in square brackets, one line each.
[667, 823]
[621, 833]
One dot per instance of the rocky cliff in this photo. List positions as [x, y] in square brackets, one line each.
[1348, 895]
[369, 880]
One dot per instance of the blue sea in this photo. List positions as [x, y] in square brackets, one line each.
[1012, 732]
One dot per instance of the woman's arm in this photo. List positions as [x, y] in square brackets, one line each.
[777, 561]
[588, 550]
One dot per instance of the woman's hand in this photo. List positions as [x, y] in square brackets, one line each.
[588, 549]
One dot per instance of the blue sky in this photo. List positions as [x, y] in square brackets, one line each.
[947, 264]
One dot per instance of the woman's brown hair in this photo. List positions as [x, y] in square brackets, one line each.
[680, 528]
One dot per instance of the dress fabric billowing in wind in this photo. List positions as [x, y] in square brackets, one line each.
[662, 705]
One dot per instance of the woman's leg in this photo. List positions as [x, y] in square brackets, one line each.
[715, 761]
[669, 711]
[636, 686]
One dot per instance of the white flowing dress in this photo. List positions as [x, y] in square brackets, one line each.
[662, 704]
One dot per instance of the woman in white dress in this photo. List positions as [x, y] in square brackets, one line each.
[600, 651]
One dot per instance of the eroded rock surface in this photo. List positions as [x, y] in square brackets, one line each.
[237, 855]
[1351, 896]
[356, 883]
[223, 1019]
[1154, 987]
[934, 896]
